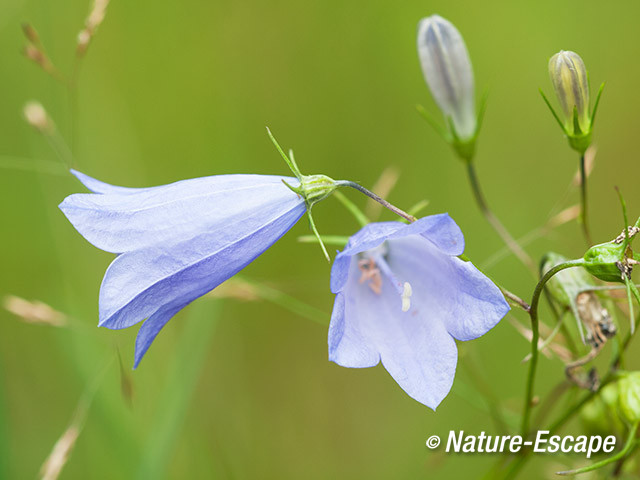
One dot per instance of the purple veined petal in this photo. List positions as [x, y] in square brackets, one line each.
[414, 348]
[140, 283]
[449, 290]
[96, 186]
[124, 222]
[439, 229]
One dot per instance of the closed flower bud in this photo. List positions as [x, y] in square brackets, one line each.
[569, 78]
[447, 70]
[629, 390]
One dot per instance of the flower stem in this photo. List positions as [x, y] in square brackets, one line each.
[514, 299]
[621, 454]
[380, 200]
[573, 409]
[511, 243]
[533, 314]
[583, 202]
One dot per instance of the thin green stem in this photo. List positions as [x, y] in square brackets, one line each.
[511, 243]
[516, 465]
[621, 454]
[533, 314]
[377, 198]
[583, 202]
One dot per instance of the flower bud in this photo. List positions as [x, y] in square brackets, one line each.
[447, 70]
[570, 82]
[629, 390]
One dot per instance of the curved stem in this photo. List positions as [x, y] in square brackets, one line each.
[377, 198]
[511, 243]
[533, 313]
[516, 465]
[621, 454]
[583, 202]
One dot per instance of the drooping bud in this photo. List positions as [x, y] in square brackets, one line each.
[629, 390]
[447, 70]
[569, 78]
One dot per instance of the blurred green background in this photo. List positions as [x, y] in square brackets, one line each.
[174, 90]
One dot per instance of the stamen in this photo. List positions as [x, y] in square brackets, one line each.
[406, 297]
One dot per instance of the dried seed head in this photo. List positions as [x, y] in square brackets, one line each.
[91, 24]
[30, 33]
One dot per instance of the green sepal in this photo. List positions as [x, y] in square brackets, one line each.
[440, 130]
[312, 188]
[580, 143]
[465, 149]
[595, 105]
[553, 112]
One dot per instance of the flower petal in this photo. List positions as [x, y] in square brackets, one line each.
[140, 283]
[124, 222]
[439, 229]
[448, 289]
[347, 346]
[96, 186]
[416, 350]
[150, 329]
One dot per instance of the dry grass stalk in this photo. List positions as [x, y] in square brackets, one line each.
[58, 457]
[37, 117]
[382, 187]
[35, 312]
[91, 24]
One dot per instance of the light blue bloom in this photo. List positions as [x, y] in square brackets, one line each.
[402, 297]
[177, 242]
